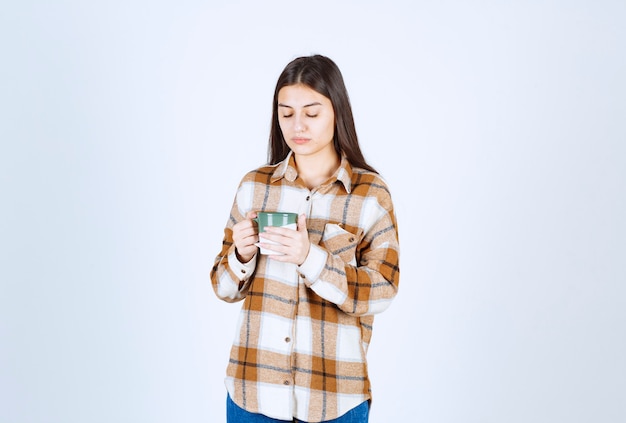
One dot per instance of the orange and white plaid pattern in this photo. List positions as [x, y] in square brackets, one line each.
[303, 331]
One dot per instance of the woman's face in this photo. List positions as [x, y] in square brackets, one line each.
[307, 121]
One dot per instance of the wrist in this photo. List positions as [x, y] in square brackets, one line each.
[243, 259]
[308, 249]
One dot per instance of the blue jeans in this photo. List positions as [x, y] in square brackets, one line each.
[236, 414]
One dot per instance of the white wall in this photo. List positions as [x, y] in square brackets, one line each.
[126, 126]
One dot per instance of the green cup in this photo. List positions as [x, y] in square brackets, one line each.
[277, 219]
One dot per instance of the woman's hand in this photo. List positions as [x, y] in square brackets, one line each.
[245, 236]
[294, 244]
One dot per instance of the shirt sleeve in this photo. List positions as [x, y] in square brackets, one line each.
[230, 277]
[369, 285]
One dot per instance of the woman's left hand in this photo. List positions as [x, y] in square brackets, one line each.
[294, 244]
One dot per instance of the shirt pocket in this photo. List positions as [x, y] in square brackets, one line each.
[340, 242]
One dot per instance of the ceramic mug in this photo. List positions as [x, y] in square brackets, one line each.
[276, 219]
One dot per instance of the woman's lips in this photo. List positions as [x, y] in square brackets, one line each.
[300, 140]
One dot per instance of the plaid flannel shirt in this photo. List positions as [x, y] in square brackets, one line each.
[303, 331]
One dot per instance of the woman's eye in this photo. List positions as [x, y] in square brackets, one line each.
[311, 116]
[287, 116]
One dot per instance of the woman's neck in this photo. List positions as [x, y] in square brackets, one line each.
[315, 170]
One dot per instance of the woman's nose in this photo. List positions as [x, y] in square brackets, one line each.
[298, 124]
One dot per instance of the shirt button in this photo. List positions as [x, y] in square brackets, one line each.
[286, 382]
[243, 270]
[308, 197]
[287, 339]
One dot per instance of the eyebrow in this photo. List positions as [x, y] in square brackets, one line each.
[307, 105]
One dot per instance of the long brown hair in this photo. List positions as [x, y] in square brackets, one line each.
[323, 76]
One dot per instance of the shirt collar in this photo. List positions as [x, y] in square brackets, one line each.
[287, 169]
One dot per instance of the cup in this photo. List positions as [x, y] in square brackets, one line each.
[285, 220]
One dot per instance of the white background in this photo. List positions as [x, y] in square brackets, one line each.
[125, 127]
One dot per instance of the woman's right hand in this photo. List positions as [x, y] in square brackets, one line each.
[245, 235]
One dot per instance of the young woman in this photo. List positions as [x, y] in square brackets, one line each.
[306, 322]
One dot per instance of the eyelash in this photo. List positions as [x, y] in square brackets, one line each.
[288, 116]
